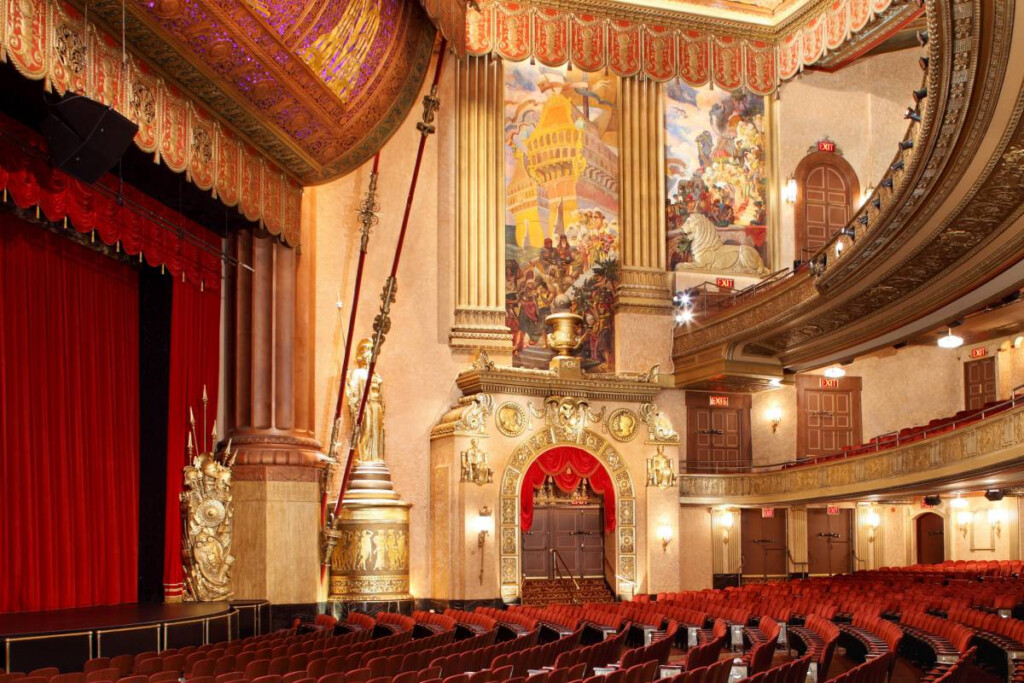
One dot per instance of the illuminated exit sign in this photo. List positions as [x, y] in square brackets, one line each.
[832, 510]
[720, 401]
[767, 513]
[979, 352]
[726, 282]
[828, 383]
[826, 146]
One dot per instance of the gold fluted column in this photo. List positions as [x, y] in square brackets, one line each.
[641, 341]
[267, 376]
[480, 205]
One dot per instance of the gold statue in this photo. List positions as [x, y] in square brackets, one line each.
[659, 470]
[370, 447]
[475, 466]
[206, 509]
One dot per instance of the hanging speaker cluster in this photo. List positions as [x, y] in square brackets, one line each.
[86, 138]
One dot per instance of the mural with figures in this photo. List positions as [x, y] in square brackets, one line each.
[716, 180]
[562, 209]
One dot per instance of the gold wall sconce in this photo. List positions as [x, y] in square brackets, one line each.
[726, 520]
[665, 534]
[963, 522]
[774, 415]
[872, 521]
[789, 191]
[483, 527]
[995, 520]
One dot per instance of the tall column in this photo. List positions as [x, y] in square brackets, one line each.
[269, 422]
[643, 322]
[480, 201]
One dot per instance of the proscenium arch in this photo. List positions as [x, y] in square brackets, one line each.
[624, 536]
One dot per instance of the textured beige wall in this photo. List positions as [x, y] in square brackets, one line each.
[860, 107]
[696, 548]
[768, 447]
[416, 364]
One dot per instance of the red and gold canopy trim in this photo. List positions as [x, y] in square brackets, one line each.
[663, 51]
[48, 40]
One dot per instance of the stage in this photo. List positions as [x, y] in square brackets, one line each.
[67, 638]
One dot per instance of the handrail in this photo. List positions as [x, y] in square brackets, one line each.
[730, 294]
[794, 562]
[609, 573]
[558, 558]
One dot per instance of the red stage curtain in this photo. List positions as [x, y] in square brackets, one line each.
[567, 465]
[69, 423]
[195, 355]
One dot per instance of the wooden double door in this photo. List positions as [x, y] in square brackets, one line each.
[575, 531]
[764, 543]
[979, 383]
[829, 541]
[829, 416]
[717, 432]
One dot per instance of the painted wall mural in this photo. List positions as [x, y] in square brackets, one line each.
[716, 180]
[562, 208]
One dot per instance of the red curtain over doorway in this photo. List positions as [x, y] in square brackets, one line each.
[567, 466]
[69, 423]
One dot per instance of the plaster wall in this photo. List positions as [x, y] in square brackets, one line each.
[860, 107]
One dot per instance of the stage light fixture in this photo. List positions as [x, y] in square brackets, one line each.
[681, 298]
[920, 94]
[897, 166]
[886, 183]
[922, 38]
[906, 144]
[912, 115]
[933, 500]
[923, 63]
[877, 203]
[994, 495]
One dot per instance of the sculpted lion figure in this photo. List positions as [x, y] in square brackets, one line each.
[711, 253]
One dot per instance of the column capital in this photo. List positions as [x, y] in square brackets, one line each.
[644, 291]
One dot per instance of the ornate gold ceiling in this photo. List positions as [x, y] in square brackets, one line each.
[319, 85]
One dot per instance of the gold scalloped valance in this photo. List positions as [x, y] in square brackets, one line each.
[47, 40]
[628, 43]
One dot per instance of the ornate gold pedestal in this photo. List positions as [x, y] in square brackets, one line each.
[370, 561]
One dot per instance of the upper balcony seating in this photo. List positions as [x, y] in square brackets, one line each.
[909, 435]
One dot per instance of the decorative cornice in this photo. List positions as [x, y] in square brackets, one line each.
[631, 388]
[990, 445]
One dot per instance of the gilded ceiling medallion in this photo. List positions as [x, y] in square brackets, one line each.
[510, 419]
[623, 424]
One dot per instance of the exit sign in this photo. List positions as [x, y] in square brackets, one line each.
[979, 352]
[832, 510]
[725, 282]
[828, 383]
[826, 146]
[720, 401]
[767, 513]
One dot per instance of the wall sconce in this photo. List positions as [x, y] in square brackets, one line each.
[995, 520]
[872, 520]
[963, 521]
[665, 534]
[483, 527]
[726, 521]
[789, 191]
[774, 414]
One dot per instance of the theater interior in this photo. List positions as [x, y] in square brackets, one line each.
[546, 341]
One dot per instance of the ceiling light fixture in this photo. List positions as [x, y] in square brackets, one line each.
[835, 372]
[950, 341]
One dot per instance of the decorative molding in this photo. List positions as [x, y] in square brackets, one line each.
[987, 446]
[644, 290]
[631, 40]
[630, 388]
[46, 40]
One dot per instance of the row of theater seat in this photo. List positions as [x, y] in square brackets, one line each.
[788, 672]
[909, 435]
[871, 671]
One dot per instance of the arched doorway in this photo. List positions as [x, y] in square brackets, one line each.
[930, 537]
[567, 503]
[619, 544]
[827, 196]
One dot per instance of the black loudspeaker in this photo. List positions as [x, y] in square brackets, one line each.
[932, 501]
[86, 138]
[994, 495]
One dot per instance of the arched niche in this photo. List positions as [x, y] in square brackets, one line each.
[826, 185]
[624, 536]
